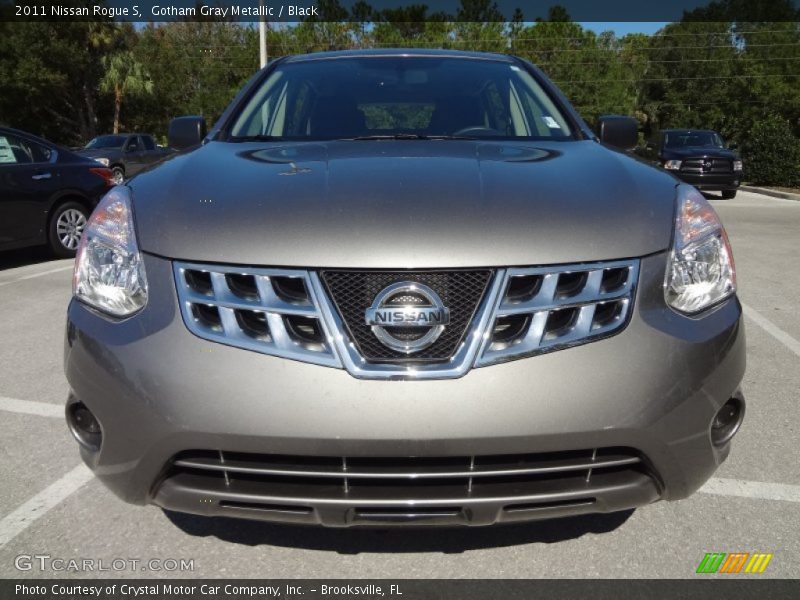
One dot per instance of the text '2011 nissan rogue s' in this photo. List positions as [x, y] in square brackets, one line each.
[403, 287]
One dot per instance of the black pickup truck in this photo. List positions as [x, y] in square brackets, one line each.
[125, 153]
[696, 156]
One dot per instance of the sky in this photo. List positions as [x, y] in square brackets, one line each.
[622, 29]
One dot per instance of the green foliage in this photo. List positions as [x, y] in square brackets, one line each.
[124, 77]
[773, 153]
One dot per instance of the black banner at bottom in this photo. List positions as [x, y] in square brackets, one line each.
[401, 589]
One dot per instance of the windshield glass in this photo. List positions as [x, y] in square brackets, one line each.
[356, 97]
[693, 139]
[107, 141]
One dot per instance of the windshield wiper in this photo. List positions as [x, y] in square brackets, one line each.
[408, 136]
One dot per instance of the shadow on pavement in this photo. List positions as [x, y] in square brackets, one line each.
[396, 540]
[10, 259]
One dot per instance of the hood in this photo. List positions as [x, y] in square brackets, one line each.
[403, 204]
[698, 151]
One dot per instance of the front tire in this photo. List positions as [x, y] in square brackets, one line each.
[728, 194]
[66, 228]
[118, 175]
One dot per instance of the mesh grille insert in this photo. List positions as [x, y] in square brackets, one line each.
[354, 291]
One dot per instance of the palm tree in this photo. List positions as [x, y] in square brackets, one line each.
[125, 77]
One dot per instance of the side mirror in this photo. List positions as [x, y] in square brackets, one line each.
[733, 146]
[618, 131]
[186, 132]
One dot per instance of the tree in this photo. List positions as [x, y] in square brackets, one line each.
[50, 88]
[772, 153]
[124, 76]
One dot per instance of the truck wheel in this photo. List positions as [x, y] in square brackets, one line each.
[728, 194]
[118, 174]
[66, 227]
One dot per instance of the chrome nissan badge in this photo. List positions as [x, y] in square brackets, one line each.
[407, 316]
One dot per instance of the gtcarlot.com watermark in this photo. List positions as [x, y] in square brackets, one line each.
[48, 563]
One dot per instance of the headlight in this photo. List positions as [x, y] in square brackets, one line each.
[737, 165]
[109, 273]
[672, 165]
[103, 161]
[700, 270]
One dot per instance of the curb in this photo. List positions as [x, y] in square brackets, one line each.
[773, 193]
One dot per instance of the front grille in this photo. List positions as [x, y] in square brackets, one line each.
[320, 317]
[273, 311]
[706, 165]
[548, 308]
[283, 480]
[354, 291]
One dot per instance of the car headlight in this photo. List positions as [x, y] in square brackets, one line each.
[700, 270]
[737, 165]
[109, 272]
[672, 165]
[103, 161]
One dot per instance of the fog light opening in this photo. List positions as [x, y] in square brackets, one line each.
[84, 426]
[727, 421]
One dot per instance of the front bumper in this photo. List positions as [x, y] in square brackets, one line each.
[159, 391]
[712, 181]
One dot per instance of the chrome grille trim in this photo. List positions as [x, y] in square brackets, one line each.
[706, 165]
[223, 299]
[545, 301]
[467, 471]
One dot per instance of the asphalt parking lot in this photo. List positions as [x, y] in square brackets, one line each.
[50, 504]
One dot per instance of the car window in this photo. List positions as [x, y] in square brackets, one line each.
[362, 96]
[16, 150]
[148, 142]
[133, 144]
[106, 141]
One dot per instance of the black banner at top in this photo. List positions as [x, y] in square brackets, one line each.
[289, 11]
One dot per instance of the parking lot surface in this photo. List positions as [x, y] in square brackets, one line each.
[51, 505]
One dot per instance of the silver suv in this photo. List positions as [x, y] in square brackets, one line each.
[403, 287]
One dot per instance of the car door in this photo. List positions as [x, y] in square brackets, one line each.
[133, 155]
[151, 155]
[28, 179]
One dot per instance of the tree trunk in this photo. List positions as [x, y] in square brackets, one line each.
[117, 107]
[90, 129]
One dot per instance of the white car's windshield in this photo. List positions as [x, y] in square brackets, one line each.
[402, 97]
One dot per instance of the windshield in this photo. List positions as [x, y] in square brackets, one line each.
[413, 97]
[107, 141]
[693, 139]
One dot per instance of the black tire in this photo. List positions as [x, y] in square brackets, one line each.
[66, 227]
[118, 173]
[728, 194]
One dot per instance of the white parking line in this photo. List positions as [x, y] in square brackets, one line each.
[35, 275]
[27, 407]
[772, 329]
[760, 490]
[23, 517]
